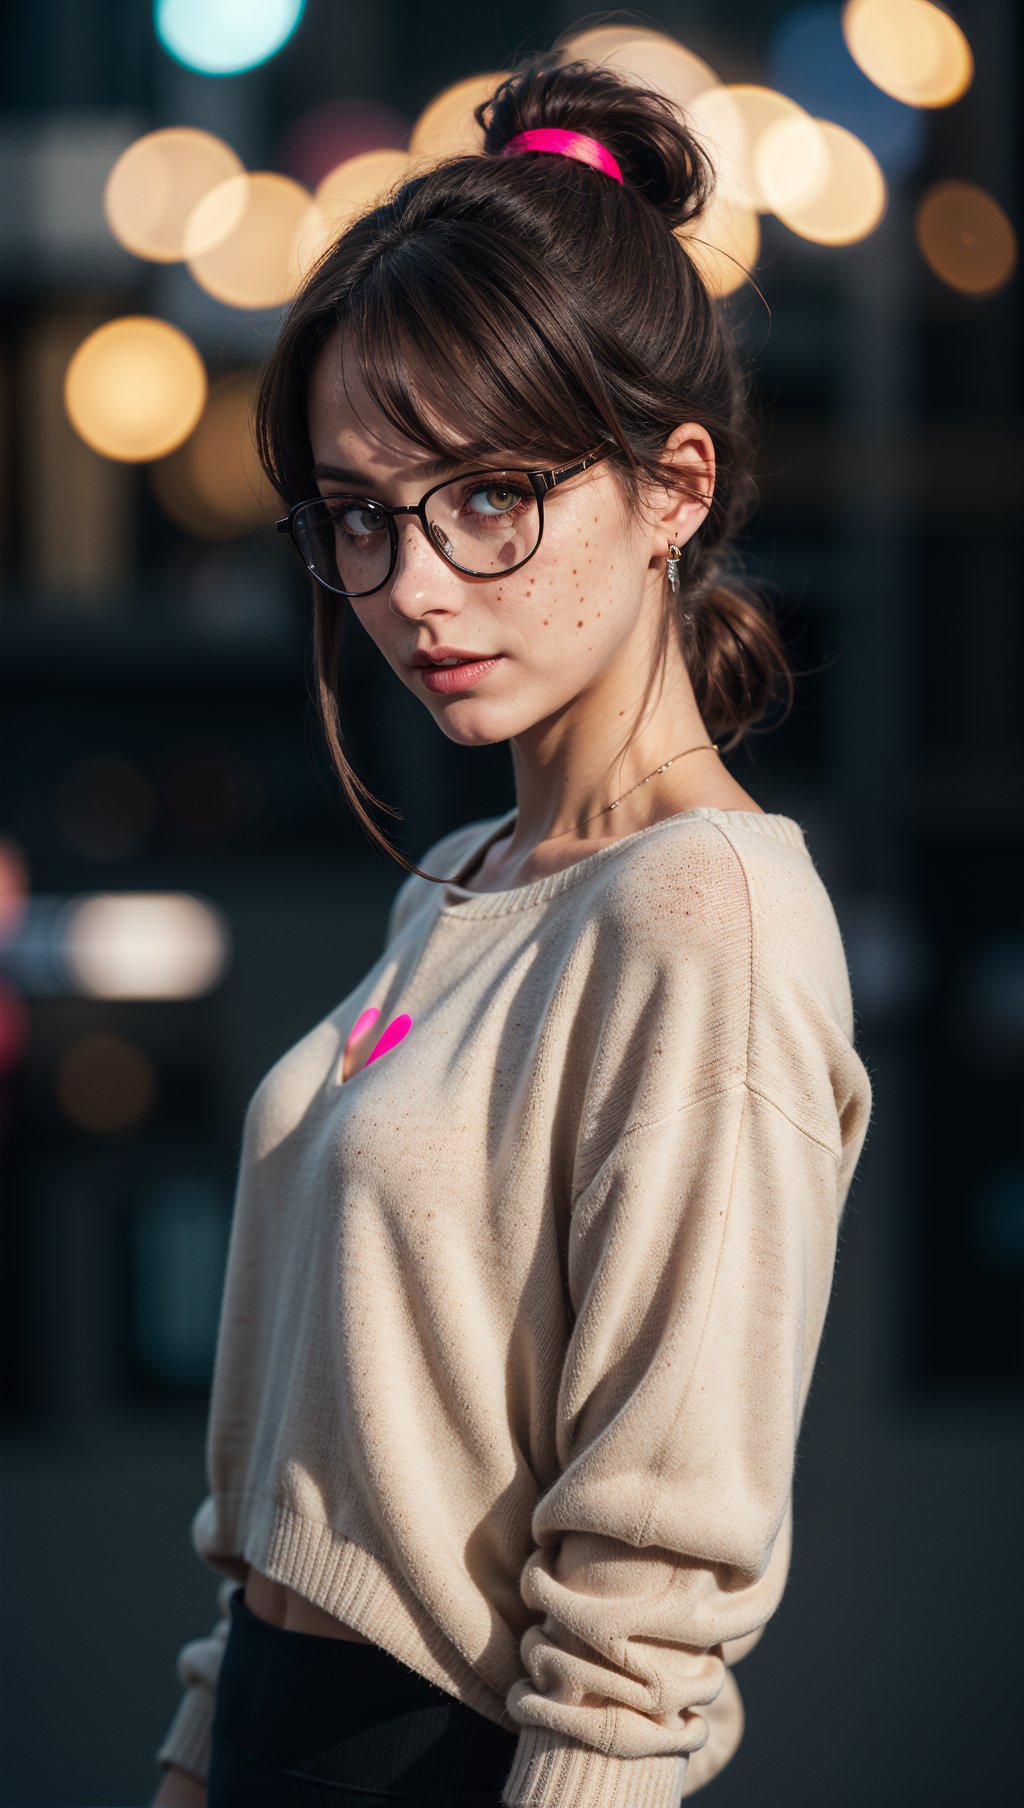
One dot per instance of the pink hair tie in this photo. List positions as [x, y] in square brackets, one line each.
[567, 144]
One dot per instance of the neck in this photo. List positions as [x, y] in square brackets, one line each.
[570, 767]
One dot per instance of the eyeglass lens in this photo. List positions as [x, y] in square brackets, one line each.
[484, 525]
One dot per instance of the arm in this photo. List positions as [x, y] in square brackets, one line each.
[722, 1109]
[701, 1258]
[185, 1749]
[179, 1789]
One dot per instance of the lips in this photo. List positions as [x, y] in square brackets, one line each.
[460, 653]
[445, 680]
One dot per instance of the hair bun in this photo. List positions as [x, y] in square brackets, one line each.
[646, 132]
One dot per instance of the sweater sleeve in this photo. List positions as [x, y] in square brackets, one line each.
[701, 1257]
[187, 1741]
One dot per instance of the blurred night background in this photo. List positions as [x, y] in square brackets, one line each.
[183, 892]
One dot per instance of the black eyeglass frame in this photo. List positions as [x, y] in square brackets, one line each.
[542, 481]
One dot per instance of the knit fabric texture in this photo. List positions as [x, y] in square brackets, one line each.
[519, 1320]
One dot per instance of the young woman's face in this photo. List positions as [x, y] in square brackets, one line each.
[563, 623]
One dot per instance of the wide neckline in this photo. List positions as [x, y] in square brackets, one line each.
[459, 901]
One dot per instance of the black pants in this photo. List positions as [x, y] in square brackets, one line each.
[329, 1723]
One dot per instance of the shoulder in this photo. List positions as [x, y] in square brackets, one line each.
[724, 935]
[726, 887]
[712, 886]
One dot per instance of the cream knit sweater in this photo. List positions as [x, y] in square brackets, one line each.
[519, 1322]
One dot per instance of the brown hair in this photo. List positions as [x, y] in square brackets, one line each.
[555, 309]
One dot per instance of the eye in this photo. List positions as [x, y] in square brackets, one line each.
[355, 518]
[500, 497]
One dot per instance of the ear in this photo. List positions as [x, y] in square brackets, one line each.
[680, 511]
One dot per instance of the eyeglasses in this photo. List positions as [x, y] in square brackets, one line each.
[350, 543]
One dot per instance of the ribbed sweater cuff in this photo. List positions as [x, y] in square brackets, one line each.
[548, 1770]
[188, 1737]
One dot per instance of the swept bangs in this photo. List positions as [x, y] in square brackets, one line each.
[444, 336]
[447, 328]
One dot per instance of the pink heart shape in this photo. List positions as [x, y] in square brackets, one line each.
[396, 1030]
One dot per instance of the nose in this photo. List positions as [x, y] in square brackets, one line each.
[420, 573]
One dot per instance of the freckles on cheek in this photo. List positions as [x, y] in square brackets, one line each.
[529, 595]
[565, 585]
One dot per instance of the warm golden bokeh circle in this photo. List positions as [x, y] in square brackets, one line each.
[792, 162]
[910, 49]
[349, 190]
[724, 243]
[244, 241]
[599, 43]
[135, 388]
[214, 486]
[730, 120]
[851, 201]
[446, 128]
[965, 237]
[15, 883]
[654, 60]
[156, 184]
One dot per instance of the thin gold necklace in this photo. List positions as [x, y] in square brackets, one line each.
[703, 747]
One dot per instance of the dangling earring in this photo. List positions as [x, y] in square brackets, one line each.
[675, 554]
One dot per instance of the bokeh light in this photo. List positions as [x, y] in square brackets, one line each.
[965, 237]
[14, 884]
[446, 127]
[354, 185]
[105, 807]
[15, 1027]
[224, 37]
[243, 242]
[213, 486]
[724, 243]
[910, 49]
[655, 60]
[350, 190]
[851, 201]
[143, 944]
[105, 1083]
[792, 163]
[156, 184]
[808, 59]
[730, 121]
[135, 388]
[598, 43]
[319, 140]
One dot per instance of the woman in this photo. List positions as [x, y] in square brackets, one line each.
[534, 1234]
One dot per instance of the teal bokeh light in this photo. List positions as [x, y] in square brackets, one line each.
[223, 37]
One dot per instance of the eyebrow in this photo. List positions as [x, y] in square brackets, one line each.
[437, 468]
[357, 476]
